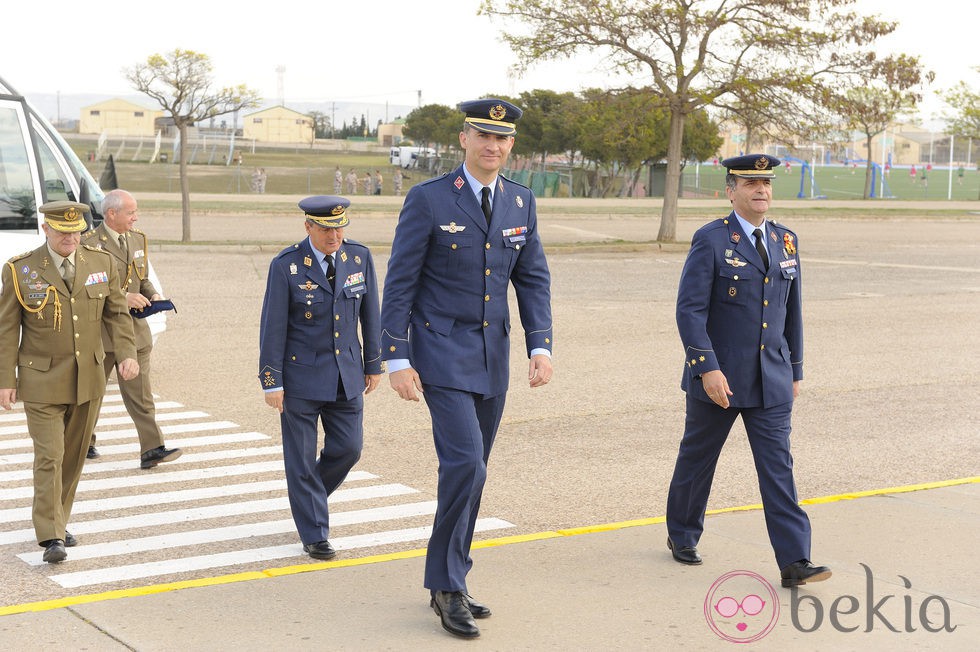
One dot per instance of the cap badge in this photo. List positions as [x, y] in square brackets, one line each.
[497, 112]
[72, 214]
[761, 163]
[337, 210]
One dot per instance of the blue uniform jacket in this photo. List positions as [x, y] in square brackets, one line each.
[445, 302]
[736, 316]
[308, 334]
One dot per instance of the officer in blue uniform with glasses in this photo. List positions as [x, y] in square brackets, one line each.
[740, 320]
[461, 240]
[312, 365]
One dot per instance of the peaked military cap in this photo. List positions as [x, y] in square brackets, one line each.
[752, 166]
[491, 115]
[65, 216]
[329, 211]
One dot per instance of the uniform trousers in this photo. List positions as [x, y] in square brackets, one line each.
[61, 439]
[137, 396]
[768, 429]
[464, 426]
[310, 479]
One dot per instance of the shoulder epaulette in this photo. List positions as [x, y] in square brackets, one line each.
[23, 255]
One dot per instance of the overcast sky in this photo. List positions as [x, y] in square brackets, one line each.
[376, 51]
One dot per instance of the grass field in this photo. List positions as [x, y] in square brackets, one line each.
[301, 170]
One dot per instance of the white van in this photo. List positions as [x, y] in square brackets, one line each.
[38, 166]
[408, 157]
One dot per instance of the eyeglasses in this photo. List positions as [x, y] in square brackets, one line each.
[750, 605]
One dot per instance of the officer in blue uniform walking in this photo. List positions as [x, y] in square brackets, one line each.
[740, 320]
[461, 240]
[312, 365]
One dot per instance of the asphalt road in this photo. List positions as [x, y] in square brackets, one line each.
[891, 307]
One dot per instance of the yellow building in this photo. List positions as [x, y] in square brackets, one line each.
[118, 117]
[278, 125]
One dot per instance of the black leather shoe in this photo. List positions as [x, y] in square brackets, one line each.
[478, 610]
[320, 550]
[54, 551]
[70, 540]
[151, 458]
[454, 614]
[686, 555]
[802, 571]
[92, 453]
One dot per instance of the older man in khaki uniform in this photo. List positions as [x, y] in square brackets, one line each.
[54, 302]
[128, 248]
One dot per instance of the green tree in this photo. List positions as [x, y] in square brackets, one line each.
[433, 125]
[694, 52]
[180, 82]
[965, 101]
[547, 125]
[873, 103]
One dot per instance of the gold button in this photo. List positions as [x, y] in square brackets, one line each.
[547, 340]
[485, 324]
[30, 363]
[100, 295]
[336, 334]
[309, 303]
[765, 325]
[453, 246]
[762, 348]
[517, 246]
[392, 349]
[294, 357]
[78, 353]
[486, 297]
[767, 279]
[488, 271]
[735, 277]
[693, 361]
[426, 324]
[77, 336]
[72, 300]
[765, 302]
[336, 351]
[336, 317]
[488, 245]
[74, 317]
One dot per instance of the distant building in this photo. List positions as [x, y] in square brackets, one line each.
[390, 134]
[118, 117]
[278, 125]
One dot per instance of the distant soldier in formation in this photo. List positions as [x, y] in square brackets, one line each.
[352, 182]
[338, 181]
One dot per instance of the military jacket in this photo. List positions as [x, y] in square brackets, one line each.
[58, 359]
[133, 272]
[737, 316]
[445, 302]
[308, 336]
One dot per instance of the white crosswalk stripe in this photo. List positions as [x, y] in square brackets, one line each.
[227, 492]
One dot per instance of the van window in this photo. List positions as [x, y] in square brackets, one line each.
[17, 209]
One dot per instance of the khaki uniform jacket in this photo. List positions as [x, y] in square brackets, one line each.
[133, 274]
[61, 366]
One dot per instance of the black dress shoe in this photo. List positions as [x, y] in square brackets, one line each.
[92, 453]
[454, 614]
[320, 550]
[70, 540]
[802, 571]
[54, 551]
[151, 458]
[685, 555]
[477, 609]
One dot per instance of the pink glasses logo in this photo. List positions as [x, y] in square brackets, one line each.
[741, 607]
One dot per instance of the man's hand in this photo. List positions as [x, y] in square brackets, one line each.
[136, 300]
[7, 398]
[539, 370]
[407, 383]
[274, 400]
[128, 369]
[797, 388]
[371, 382]
[716, 387]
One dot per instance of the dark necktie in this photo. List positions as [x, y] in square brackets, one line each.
[485, 203]
[68, 273]
[331, 270]
[760, 245]
[124, 246]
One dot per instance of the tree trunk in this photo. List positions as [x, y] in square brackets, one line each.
[185, 192]
[867, 172]
[672, 183]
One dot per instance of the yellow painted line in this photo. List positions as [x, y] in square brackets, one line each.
[152, 589]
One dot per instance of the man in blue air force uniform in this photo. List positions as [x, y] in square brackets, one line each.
[461, 240]
[311, 363]
[740, 320]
